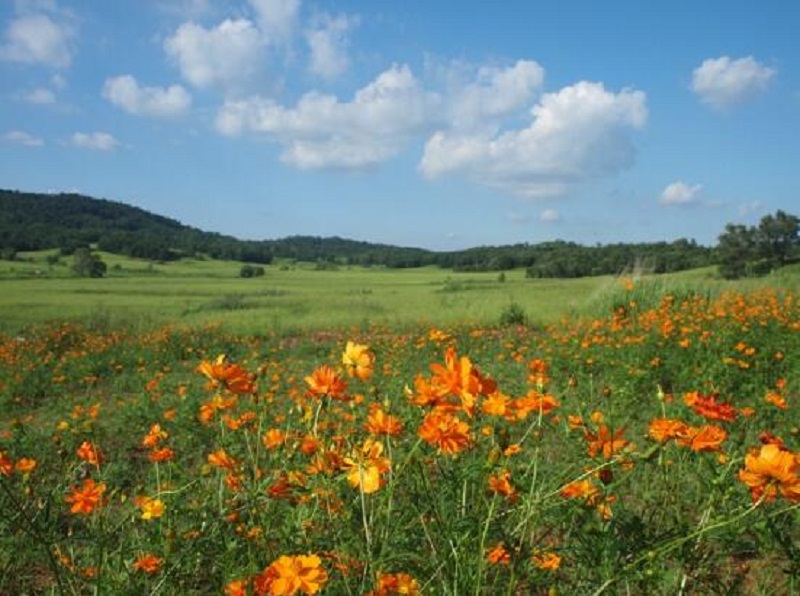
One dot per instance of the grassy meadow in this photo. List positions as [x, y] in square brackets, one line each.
[288, 298]
[174, 429]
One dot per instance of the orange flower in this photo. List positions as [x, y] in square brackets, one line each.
[424, 394]
[290, 575]
[496, 404]
[603, 442]
[501, 485]
[396, 584]
[89, 453]
[221, 459]
[228, 376]
[776, 400]
[237, 587]
[772, 471]
[704, 438]
[534, 402]
[458, 377]
[25, 465]
[273, 438]
[159, 455]
[6, 464]
[148, 563]
[380, 423]
[325, 381]
[154, 436]
[664, 429]
[538, 372]
[707, 406]
[445, 431]
[359, 360]
[86, 498]
[579, 488]
[546, 561]
[498, 555]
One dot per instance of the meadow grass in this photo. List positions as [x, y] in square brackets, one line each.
[646, 443]
[288, 298]
[297, 297]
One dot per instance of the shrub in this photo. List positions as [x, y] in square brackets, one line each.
[513, 314]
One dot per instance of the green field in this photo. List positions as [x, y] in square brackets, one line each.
[287, 298]
[291, 297]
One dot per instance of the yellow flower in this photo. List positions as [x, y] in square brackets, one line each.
[151, 508]
[367, 466]
[359, 360]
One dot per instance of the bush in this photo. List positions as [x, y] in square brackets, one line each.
[251, 271]
[513, 314]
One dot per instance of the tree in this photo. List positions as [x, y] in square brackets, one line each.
[85, 264]
[736, 248]
[777, 236]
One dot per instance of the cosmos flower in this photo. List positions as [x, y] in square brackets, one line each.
[86, 498]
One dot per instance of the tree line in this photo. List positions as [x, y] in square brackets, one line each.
[34, 221]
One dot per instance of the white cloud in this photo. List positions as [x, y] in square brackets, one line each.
[226, 57]
[39, 96]
[493, 94]
[99, 141]
[679, 193]
[38, 39]
[277, 19]
[549, 216]
[328, 44]
[723, 82]
[23, 138]
[58, 81]
[124, 92]
[579, 133]
[186, 9]
[747, 209]
[323, 132]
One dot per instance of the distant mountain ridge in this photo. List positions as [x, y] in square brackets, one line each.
[35, 221]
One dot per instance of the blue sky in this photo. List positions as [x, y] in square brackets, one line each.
[424, 123]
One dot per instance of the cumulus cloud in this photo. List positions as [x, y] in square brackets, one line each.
[679, 193]
[549, 216]
[23, 138]
[328, 43]
[323, 132]
[40, 96]
[186, 9]
[277, 19]
[493, 93]
[578, 133]
[126, 93]
[722, 82]
[224, 57]
[98, 141]
[38, 39]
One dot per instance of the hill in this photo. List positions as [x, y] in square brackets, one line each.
[35, 221]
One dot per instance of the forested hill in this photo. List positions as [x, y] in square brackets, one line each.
[31, 221]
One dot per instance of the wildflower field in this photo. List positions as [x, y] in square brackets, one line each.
[653, 448]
